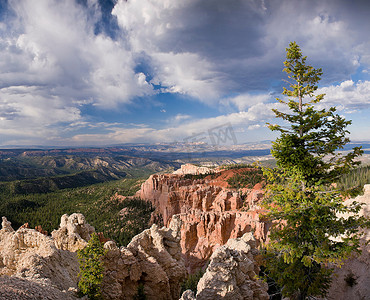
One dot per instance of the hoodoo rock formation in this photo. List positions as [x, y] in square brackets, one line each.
[44, 267]
[73, 232]
[232, 273]
[203, 232]
[33, 256]
[153, 258]
[211, 213]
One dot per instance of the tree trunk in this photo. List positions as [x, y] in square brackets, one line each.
[301, 296]
[300, 108]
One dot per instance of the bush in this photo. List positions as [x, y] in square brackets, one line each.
[350, 279]
[192, 281]
[140, 293]
[91, 268]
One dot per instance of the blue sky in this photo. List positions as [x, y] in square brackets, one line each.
[89, 72]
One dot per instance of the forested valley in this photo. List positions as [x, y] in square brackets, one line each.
[38, 190]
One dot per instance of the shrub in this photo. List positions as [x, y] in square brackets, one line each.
[350, 279]
[191, 281]
[91, 268]
[140, 293]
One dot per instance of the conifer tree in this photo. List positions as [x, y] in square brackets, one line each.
[91, 268]
[307, 238]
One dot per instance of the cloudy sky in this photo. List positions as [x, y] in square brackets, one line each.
[103, 72]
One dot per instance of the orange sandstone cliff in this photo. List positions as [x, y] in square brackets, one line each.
[211, 213]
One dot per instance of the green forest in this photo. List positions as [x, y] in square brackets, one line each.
[96, 202]
[39, 189]
[355, 180]
[246, 179]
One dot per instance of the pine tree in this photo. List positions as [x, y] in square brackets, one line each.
[91, 268]
[307, 238]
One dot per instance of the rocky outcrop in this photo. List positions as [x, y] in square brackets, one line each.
[6, 226]
[31, 255]
[188, 295]
[352, 280]
[73, 232]
[14, 288]
[211, 214]
[193, 170]
[45, 267]
[232, 273]
[153, 258]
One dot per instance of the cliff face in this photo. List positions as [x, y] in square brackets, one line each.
[44, 267]
[203, 232]
[211, 213]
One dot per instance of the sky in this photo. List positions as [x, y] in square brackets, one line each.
[107, 72]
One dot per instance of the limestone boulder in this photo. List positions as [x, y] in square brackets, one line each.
[6, 226]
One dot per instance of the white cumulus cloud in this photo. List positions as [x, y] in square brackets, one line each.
[348, 96]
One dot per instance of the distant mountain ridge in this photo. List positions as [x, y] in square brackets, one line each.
[72, 167]
[169, 151]
[178, 150]
[29, 172]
